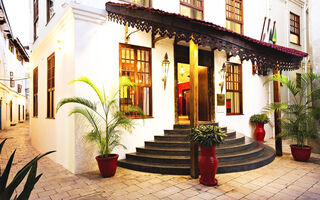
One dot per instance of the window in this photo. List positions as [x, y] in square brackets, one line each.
[11, 80]
[35, 92]
[50, 9]
[19, 113]
[50, 86]
[294, 28]
[234, 15]
[19, 88]
[234, 89]
[192, 8]
[145, 3]
[135, 62]
[35, 19]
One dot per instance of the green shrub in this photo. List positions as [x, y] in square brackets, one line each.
[207, 135]
[259, 118]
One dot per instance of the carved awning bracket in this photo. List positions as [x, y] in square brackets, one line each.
[127, 35]
[156, 39]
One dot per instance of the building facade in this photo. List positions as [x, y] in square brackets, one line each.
[13, 75]
[313, 47]
[75, 38]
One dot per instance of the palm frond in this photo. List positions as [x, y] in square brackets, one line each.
[275, 107]
[107, 127]
[77, 100]
[86, 80]
[93, 119]
[284, 80]
[125, 81]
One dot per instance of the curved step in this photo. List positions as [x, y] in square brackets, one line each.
[238, 139]
[241, 155]
[175, 159]
[158, 158]
[183, 137]
[173, 169]
[264, 158]
[177, 132]
[249, 143]
[184, 126]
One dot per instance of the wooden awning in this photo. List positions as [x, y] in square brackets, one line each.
[206, 34]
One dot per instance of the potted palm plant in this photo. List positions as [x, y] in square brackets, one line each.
[301, 115]
[106, 122]
[259, 120]
[207, 137]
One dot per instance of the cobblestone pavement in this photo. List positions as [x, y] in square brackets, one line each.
[282, 179]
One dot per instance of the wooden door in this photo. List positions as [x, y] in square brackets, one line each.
[18, 113]
[10, 111]
[203, 96]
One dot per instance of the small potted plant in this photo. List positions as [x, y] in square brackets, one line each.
[105, 120]
[259, 120]
[207, 137]
[301, 114]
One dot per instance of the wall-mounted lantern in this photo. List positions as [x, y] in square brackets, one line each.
[165, 68]
[60, 44]
[222, 74]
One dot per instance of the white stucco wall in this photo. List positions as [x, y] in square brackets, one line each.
[314, 35]
[55, 134]
[255, 97]
[97, 57]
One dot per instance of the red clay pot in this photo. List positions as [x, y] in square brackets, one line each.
[300, 153]
[259, 133]
[208, 165]
[108, 165]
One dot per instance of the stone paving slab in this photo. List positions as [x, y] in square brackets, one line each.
[282, 179]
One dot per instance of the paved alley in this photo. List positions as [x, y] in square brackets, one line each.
[282, 179]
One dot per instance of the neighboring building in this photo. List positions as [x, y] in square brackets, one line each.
[313, 46]
[74, 38]
[12, 75]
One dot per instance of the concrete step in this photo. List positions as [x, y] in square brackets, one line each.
[238, 139]
[264, 158]
[179, 159]
[185, 151]
[170, 153]
[183, 136]
[184, 126]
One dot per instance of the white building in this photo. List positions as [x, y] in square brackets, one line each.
[74, 38]
[313, 47]
[13, 75]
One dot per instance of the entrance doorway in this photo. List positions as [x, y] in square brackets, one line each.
[10, 111]
[205, 84]
[184, 92]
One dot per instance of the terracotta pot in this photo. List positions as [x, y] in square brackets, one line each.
[108, 165]
[208, 165]
[259, 133]
[300, 153]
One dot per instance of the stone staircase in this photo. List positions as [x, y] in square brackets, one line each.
[170, 153]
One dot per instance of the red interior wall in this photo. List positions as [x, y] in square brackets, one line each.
[182, 86]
